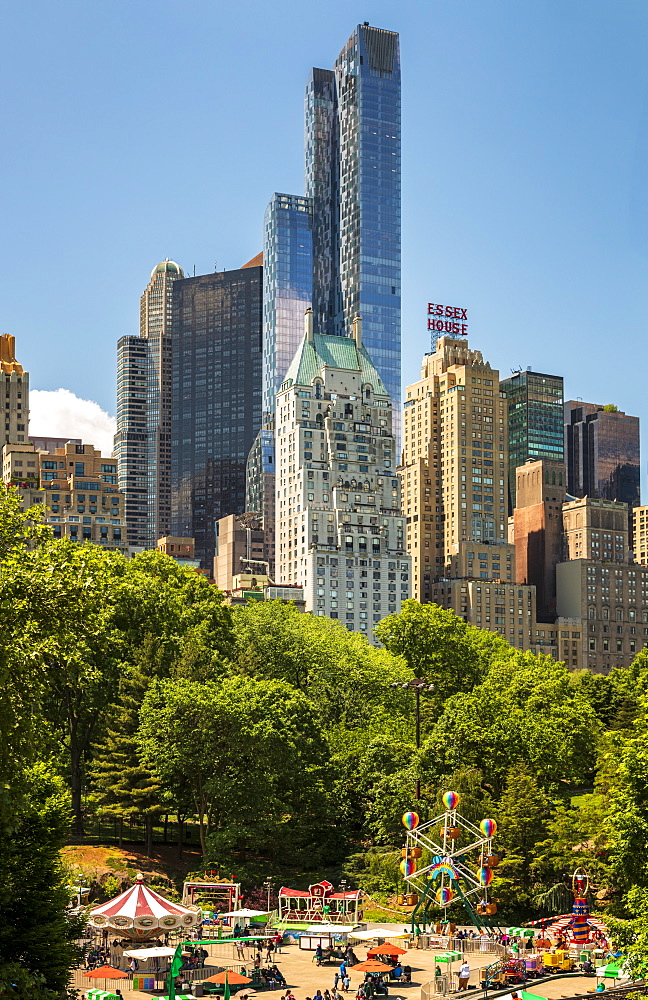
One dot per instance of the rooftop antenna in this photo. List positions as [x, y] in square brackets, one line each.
[194, 274]
[215, 265]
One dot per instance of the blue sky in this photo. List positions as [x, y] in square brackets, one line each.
[133, 130]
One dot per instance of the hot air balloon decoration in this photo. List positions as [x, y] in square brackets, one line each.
[410, 820]
[407, 867]
[488, 827]
[485, 876]
[450, 800]
[444, 895]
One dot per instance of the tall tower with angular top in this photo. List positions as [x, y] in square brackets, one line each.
[353, 176]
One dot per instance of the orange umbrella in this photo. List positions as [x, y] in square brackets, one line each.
[233, 978]
[371, 966]
[386, 949]
[106, 972]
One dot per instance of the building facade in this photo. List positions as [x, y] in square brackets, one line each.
[454, 470]
[77, 485]
[143, 438]
[598, 585]
[240, 551]
[339, 528]
[15, 382]
[215, 399]
[535, 421]
[353, 153]
[602, 452]
[287, 290]
[640, 534]
[537, 530]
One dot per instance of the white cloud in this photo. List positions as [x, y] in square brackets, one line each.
[59, 413]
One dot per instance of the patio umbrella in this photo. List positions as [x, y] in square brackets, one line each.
[371, 966]
[386, 949]
[106, 972]
[233, 978]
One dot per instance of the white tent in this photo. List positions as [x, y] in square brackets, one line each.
[244, 913]
[324, 929]
[145, 953]
[380, 932]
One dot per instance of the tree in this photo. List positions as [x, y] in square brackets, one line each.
[250, 753]
[524, 712]
[34, 930]
[125, 786]
[438, 645]
[523, 814]
[346, 679]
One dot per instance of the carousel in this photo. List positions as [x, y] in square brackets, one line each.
[142, 914]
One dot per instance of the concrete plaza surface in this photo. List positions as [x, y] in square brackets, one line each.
[304, 977]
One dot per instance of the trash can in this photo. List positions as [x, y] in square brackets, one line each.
[197, 990]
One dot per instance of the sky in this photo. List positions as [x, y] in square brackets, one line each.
[135, 130]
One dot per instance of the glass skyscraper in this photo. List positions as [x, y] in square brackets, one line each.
[602, 452]
[215, 399]
[535, 421]
[352, 147]
[287, 286]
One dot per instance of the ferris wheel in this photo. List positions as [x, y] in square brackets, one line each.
[449, 859]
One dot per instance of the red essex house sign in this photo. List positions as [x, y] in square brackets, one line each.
[452, 320]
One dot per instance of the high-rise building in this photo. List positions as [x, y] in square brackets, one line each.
[215, 399]
[454, 471]
[143, 438]
[535, 421]
[339, 528]
[537, 530]
[640, 534]
[15, 381]
[353, 179]
[287, 288]
[602, 452]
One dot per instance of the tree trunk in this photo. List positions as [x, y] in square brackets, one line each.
[180, 825]
[166, 826]
[121, 832]
[75, 784]
[148, 834]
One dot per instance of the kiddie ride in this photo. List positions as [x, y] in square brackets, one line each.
[448, 859]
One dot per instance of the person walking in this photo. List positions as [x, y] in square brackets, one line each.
[346, 981]
[464, 976]
[319, 954]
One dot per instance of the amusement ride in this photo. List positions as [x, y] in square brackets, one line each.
[448, 859]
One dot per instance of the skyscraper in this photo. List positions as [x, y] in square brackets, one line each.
[15, 381]
[340, 531]
[455, 461]
[216, 399]
[535, 421]
[353, 179]
[287, 288]
[143, 439]
[602, 452]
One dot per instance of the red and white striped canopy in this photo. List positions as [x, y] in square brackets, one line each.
[140, 912]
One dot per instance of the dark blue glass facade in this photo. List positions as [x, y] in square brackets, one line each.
[535, 421]
[216, 399]
[352, 145]
[287, 286]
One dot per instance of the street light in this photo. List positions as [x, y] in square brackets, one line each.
[267, 885]
[416, 685]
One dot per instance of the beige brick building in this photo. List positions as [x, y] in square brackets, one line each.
[77, 484]
[453, 470]
[640, 534]
[15, 382]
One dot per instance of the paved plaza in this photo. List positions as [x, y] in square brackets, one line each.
[304, 977]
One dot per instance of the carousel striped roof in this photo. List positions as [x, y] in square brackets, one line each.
[139, 901]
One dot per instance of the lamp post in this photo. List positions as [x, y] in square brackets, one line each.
[267, 885]
[416, 685]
